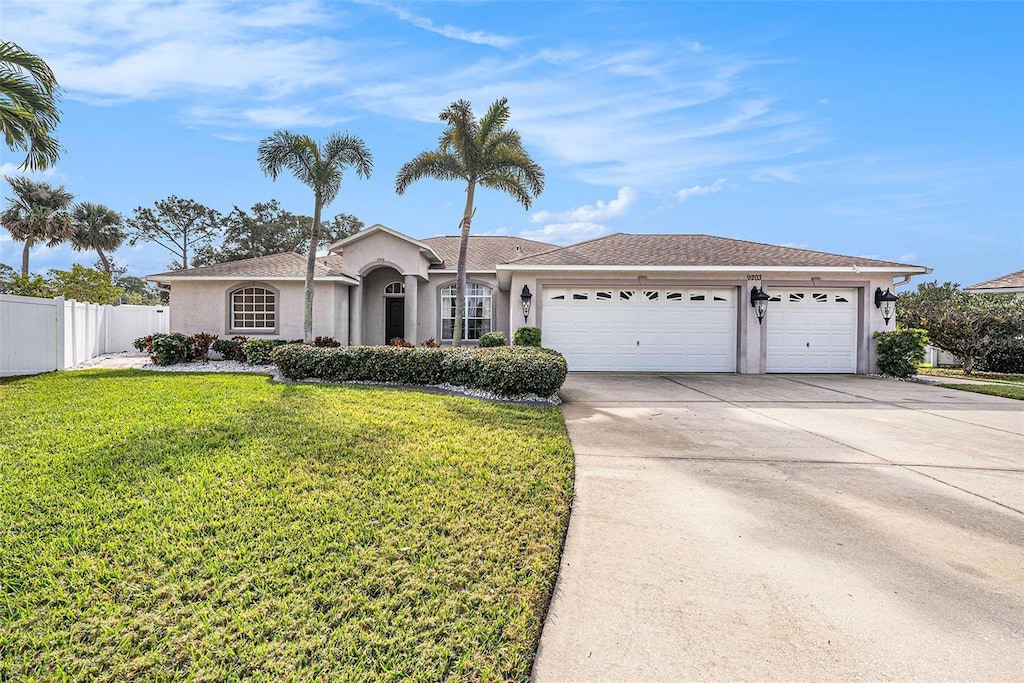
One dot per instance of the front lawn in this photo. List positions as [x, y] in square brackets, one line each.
[1005, 390]
[222, 527]
[976, 375]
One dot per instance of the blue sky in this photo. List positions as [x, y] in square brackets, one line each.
[890, 130]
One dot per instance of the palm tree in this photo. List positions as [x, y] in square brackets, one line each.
[37, 212]
[480, 152]
[99, 228]
[319, 167]
[28, 106]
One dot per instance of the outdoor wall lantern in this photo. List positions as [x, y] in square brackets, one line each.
[527, 298]
[886, 301]
[759, 300]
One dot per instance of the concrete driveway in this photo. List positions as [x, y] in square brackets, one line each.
[794, 527]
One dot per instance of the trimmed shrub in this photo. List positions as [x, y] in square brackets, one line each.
[493, 339]
[527, 336]
[506, 371]
[201, 342]
[168, 349]
[900, 352]
[230, 349]
[430, 344]
[259, 351]
[144, 344]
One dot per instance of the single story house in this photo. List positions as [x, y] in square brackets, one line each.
[1005, 284]
[680, 303]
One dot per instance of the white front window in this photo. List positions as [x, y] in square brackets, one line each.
[477, 318]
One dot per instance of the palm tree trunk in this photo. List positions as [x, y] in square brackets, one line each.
[24, 256]
[314, 238]
[103, 260]
[460, 278]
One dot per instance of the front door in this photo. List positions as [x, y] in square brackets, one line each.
[394, 319]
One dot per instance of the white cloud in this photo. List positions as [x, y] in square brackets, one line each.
[700, 190]
[909, 257]
[7, 169]
[453, 32]
[590, 213]
[565, 233]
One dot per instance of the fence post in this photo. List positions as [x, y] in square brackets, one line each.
[59, 326]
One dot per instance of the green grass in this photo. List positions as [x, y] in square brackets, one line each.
[221, 527]
[980, 376]
[1004, 390]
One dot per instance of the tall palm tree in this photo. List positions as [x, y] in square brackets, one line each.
[37, 212]
[484, 153]
[319, 167]
[28, 106]
[99, 228]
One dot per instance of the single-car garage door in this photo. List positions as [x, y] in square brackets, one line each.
[681, 329]
[812, 330]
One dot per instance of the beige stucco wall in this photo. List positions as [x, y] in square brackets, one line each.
[751, 350]
[203, 307]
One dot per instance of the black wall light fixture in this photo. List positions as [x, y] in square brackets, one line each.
[886, 301]
[527, 297]
[759, 300]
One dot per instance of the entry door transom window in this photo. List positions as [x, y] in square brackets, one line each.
[477, 317]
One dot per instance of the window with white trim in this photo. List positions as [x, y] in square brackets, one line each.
[477, 318]
[395, 288]
[253, 308]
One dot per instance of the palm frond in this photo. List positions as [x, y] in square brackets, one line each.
[435, 164]
[284, 150]
[495, 119]
[28, 106]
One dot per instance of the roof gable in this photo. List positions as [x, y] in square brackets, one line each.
[1011, 281]
[339, 246]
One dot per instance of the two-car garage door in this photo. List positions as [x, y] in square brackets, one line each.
[652, 329]
[693, 329]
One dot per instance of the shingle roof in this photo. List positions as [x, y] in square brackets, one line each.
[484, 253]
[287, 264]
[689, 250]
[1013, 280]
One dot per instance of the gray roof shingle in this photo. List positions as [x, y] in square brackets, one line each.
[484, 252]
[621, 249]
[288, 264]
[1013, 280]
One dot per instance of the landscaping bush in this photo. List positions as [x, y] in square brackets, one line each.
[1005, 356]
[493, 339]
[900, 352]
[259, 351]
[144, 344]
[430, 343]
[399, 341]
[201, 342]
[325, 342]
[230, 349]
[527, 336]
[168, 349]
[506, 371]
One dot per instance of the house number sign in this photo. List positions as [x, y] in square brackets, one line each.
[754, 277]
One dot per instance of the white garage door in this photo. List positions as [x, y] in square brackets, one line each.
[812, 330]
[646, 329]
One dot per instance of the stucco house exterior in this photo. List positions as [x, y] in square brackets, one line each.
[623, 302]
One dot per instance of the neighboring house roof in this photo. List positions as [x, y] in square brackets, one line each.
[484, 252]
[1014, 282]
[621, 249]
[287, 265]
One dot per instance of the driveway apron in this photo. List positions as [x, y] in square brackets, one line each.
[800, 527]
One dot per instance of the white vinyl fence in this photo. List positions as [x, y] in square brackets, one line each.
[42, 335]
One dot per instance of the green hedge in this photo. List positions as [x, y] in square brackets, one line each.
[527, 336]
[503, 370]
[900, 351]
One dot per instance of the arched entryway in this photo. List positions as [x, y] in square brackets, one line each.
[383, 305]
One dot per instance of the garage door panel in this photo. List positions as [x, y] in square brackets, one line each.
[678, 329]
[812, 330]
